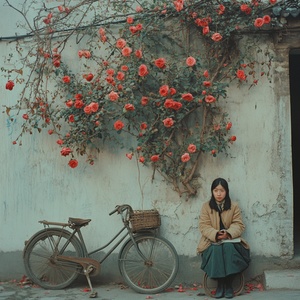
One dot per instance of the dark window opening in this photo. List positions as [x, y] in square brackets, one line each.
[294, 66]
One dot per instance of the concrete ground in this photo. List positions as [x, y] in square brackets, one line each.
[16, 291]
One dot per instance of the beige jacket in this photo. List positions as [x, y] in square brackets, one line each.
[209, 225]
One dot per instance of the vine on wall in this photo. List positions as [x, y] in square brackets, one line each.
[152, 70]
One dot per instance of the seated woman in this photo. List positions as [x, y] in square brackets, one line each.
[221, 220]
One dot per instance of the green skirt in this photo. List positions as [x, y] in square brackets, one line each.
[219, 261]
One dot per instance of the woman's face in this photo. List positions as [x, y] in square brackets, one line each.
[219, 193]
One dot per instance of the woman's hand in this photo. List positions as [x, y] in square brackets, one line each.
[222, 235]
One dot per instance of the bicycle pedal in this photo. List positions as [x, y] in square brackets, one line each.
[93, 295]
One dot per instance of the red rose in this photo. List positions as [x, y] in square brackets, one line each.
[164, 90]
[59, 142]
[241, 74]
[155, 158]
[126, 51]
[176, 105]
[190, 61]
[87, 110]
[168, 122]
[133, 29]
[129, 20]
[267, 19]
[178, 5]
[216, 37]
[78, 96]
[121, 43]
[246, 9]
[205, 30]
[66, 79]
[88, 77]
[9, 85]
[139, 9]
[172, 91]
[78, 104]
[138, 53]
[110, 72]
[73, 163]
[221, 9]
[71, 118]
[118, 125]
[129, 107]
[56, 63]
[169, 103]
[69, 103]
[210, 99]
[94, 106]
[120, 76]
[259, 22]
[143, 126]
[228, 125]
[143, 70]
[124, 68]
[185, 157]
[113, 96]
[87, 54]
[101, 31]
[25, 117]
[160, 63]
[139, 27]
[187, 97]
[206, 74]
[65, 151]
[144, 101]
[129, 155]
[192, 148]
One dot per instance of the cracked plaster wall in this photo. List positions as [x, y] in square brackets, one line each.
[37, 184]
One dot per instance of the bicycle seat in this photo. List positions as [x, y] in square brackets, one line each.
[79, 222]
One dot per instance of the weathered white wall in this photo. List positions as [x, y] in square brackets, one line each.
[36, 183]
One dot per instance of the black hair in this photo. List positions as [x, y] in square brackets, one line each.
[224, 184]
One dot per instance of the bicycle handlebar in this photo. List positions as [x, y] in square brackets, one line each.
[121, 208]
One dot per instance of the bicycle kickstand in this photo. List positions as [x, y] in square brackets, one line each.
[87, 271]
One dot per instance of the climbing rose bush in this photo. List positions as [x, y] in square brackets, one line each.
[136, 77]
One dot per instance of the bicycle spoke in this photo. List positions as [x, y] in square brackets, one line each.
[42, 263]
[155, 271]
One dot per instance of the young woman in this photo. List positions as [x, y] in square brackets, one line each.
[221, 220]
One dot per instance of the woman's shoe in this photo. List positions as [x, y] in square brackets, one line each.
[220, 288]
[228, 288]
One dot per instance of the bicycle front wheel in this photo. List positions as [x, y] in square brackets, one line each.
[42, 264]
[152, 273]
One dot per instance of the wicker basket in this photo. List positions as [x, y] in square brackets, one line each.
[144, 219]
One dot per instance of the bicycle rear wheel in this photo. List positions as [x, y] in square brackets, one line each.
[154, 274]
[210, 285]
[40, 258]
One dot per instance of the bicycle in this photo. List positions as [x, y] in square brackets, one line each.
[54, 257]
[210, 285]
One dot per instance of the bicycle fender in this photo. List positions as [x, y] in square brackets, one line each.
[41, 231]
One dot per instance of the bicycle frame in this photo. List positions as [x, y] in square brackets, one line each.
[77, 230]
